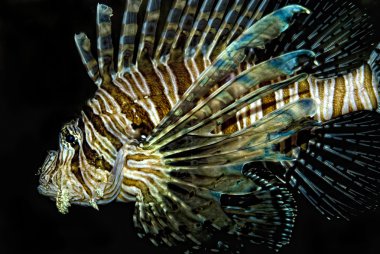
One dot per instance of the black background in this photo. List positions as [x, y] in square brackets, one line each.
[43, 85]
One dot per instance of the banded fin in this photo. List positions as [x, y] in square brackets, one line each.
[104, 42]
[148, 32]
[220, 41]
[84, 48]
[338, 172]
[254, 143]
[128, 35]
[232, 96]
[185, 26]
[259, 34]
[199, 26]
[341, 35]
[253, 7]
[176, 210]
[169, 32]
[102, 70]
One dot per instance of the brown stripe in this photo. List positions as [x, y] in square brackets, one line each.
[229, 126]
[304, 90]
[200, 64]
[248, 115]
[95, 159]
[268, 102]
[340, 91]
[182, 76]
[141, 186]
[156, 89]
[167, 80]
[98, 124]
[368, 86]
[358, 102]
[141, 157]
[102, 106]
[286, 95]
[132, 111]
[131, 81]
[321, 85]
[77, 172]
[148, 171]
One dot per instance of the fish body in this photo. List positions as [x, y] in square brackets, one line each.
[216, 111]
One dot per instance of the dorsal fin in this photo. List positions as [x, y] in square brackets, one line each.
[198, 28]
[148, 32]
[224, 29]
[242, 23]
[105, 47]
[185, 26]
[212, 27]
[169, 32]
[228, 60]
[128, 34]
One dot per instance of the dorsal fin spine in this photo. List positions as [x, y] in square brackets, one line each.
[148, 32]
[128, 35]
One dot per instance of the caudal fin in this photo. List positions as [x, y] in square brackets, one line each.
[338, 170]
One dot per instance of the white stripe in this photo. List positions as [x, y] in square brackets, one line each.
[131, 191]
[244, 116]
[195, 67]
[189, 71]
[99, 143]
[362, 91]
[313, 88]
[130, 92]
[164, 84]
[144, 88]
[174, 83]
[237, 120]
[252, 112]
[279, 95]
[330, 99]
[259, 109]
[112, 128]
[206, 61]
[351, 86]
[107, 99]
[94, 104]
[293, 92]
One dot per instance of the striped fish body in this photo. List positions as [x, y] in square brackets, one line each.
[203, 91]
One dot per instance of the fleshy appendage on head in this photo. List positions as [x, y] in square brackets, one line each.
[69, 178]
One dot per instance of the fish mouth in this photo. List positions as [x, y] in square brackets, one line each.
[47, 170]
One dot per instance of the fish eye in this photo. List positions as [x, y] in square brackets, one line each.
[70, 139]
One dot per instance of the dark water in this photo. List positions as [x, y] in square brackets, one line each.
[43, 84]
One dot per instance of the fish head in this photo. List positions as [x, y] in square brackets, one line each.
[69, 179]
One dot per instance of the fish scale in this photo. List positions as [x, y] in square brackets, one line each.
[217, 112]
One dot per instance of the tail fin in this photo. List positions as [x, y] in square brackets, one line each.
[339, 169]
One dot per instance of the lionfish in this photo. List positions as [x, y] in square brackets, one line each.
[217, 112]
